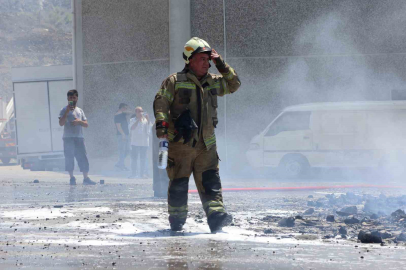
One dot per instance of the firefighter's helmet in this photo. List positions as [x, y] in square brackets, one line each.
[193, 46]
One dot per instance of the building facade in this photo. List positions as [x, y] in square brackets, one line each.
[286, 52]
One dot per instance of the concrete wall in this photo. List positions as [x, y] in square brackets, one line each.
[286, 51]
[289, 52]
[125, 58]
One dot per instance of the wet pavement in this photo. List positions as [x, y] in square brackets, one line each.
[120, 225]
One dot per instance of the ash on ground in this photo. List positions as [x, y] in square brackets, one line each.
[355, 217]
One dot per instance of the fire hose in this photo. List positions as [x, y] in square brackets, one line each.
[306, 188]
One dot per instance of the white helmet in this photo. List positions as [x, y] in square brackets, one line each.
[193, 46]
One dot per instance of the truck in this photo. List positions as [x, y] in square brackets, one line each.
[39, 94]
[7, 132]
[368, 134]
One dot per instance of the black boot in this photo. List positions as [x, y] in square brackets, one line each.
[87, 181]
[218, 220]
[72, 181]
[176, 224]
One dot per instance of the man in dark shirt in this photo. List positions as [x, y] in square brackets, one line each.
[120, 120]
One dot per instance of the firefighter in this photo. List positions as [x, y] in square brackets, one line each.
[186, 113]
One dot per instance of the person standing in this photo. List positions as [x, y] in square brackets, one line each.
[120, 120]
[140, 128]
[73, 119]
[186, 113]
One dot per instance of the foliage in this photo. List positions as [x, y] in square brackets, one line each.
[33, 33]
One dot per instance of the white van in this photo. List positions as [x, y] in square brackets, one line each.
[342, 134]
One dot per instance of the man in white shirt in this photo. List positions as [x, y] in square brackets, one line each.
[140, 128]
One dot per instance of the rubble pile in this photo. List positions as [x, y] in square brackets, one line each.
[362, 218]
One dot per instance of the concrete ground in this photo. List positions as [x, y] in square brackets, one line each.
[120, 225]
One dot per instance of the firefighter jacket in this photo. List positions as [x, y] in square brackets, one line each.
[182, 91]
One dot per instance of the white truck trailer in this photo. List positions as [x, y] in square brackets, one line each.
[39, 95]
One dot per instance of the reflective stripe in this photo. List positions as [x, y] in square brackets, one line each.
[210, 141]
[180, 212]
[188, 85]
[161, 116]
[178, 209]
[171, 136]
[216, 85]
[225, 87]
[213, 206]
[229, 75]
[215, 209]
[166, 94]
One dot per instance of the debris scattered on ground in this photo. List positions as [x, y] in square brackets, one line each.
[311, 203]
[354, 217]
[307, 237]
[309, 211]
[370, 237]
[287, 222]
[347, 211]
[380, 218]
[401, 237]
[351, 220]
[342, 230]
[386, 235]
[398, 215]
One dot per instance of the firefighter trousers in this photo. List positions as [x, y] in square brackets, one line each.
[184, 160]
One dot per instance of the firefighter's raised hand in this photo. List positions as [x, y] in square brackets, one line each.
[214, 56]
[218, 61]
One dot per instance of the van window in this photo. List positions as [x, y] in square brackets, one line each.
[290, 121]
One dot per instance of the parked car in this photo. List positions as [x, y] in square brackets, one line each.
[326, 135]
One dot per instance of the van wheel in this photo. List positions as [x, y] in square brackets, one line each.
[293, 166]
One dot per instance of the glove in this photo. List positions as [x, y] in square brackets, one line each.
[184, 127]
[161, 128]
[221, 65]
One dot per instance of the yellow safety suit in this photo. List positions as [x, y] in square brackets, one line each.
[179, 92]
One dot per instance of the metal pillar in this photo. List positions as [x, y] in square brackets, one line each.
[77, 49]
[179, 33]
[160, 177]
